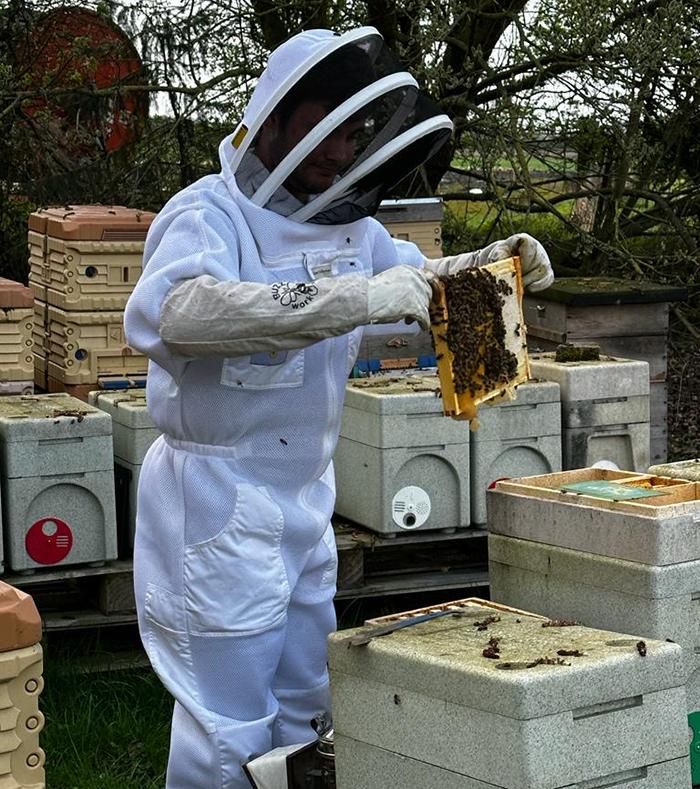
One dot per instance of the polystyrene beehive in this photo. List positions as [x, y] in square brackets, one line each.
[488, 697]
[86, 257]
[659, 529]
[400, 464]
[133, 434]
[604, 407]
[57, 482]
[21, 682]
[651, 601]
[514, 438]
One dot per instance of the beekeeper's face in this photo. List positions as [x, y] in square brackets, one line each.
[318, 171]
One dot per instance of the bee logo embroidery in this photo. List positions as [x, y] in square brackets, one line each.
[294, 294]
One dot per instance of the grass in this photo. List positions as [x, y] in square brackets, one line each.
[107, 730]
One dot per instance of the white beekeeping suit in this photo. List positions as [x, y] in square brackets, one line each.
[250, 307]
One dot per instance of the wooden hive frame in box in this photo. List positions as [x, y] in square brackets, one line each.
[464, 404]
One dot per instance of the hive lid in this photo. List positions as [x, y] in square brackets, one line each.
[681, 469]
[421, 209]
[50, 416]
[608, 376]
[609, 290]
[410, 394]
[92, 222]
[20, 623]
[127, 407]
[443, 658]
[15, 295]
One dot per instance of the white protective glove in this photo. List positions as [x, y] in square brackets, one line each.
[401, 292]
[534, 261]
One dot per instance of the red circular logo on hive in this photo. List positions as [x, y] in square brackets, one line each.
[49, 540]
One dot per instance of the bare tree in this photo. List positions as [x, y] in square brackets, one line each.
[581, 116]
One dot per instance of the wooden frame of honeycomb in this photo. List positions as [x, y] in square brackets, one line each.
[480, 340]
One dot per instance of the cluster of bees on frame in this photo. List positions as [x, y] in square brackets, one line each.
[475, 332]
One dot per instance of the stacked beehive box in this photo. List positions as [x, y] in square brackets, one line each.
[21, 682]
[418, 220]
[57, 471]
[133, 432]
[625, 318]
[514, 437]
[609, 549]
[477, 695]
[604, 409]
[16, 340]
[386, 347]
[84, 263]
[400, 464]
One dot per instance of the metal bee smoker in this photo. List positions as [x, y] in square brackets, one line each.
[313, 767]
[310, 766]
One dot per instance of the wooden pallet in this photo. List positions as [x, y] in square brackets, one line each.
[369, 565]
[85, 597]
[372, 564]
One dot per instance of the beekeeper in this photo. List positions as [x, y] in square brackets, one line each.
[257, 282]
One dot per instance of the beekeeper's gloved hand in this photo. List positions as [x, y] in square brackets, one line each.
[401, 292]
[534, 261]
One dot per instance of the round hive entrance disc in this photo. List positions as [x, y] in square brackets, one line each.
[410, 507]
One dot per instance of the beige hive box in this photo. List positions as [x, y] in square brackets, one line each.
[21, 682]
[86, 346]
[86, 257]
[417, 220]
[16, 336]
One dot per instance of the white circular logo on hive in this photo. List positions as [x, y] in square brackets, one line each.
[410, 507]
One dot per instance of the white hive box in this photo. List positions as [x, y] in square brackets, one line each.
[604, 409]
[134, 432]
[649, 601]
[514, 438]
[16, 337]
[427, 708]
[57, 482]
[86, 257]
[657, 530]
[400, 464]
[625, 318]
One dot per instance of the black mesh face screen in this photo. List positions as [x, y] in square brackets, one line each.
[346, 132]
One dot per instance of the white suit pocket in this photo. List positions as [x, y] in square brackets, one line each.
[165, 638]
[236, 581]
[265, 370]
